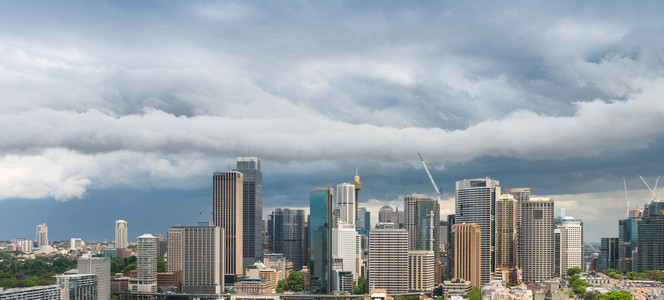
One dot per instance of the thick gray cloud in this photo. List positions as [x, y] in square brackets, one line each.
[103, 95]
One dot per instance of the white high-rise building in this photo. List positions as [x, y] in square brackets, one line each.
[146, 265]
[388, 258]
[100, 266]
[76, 243]
[346, 202]
[537, 239]
[475, 203]
[571, 244]
[121, 234]
[41, 235]
[344, 245]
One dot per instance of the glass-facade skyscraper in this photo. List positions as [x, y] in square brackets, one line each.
[427, 225]
[289, 234]
[252, 209]
[320, 236]
[651, 238]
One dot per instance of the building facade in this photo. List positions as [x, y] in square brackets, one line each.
[345, 195]
[521, 195]
[571, 245]
[608, 253]
[203, 263]
[537, 260]
[121, 241]
[252, 209]
[228, 213]
[650, 240]
[320, 237]
[289, 235]
[468, 253]
[421, 270]
[100, 267]
[146, 265]
[388, 259]
[475, 203]
[77, 286]
[175, 248]
[506, 239]
[41, 235]
[48, 292]
[344, 247]
[386, 214]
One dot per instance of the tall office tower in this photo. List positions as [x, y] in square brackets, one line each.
[41, 234]
[409, 219]
[345, 195]
[203, 263]
[451, 220]
[344, 246]
[363, 221]
[121, 241]
[146, 265]
[289, 235]
[102, 268]
[358, 187]
[387, 215]
[506, 256]
[468, 253]
[571, 245]
[537, 239]
[427, 225]
[556, 252]
[608, 254]
[628, 239]
[305, 242]
[389, 258]
[320, 237]
[78, 286]
[227, 213]
[175, 246]
[651, 238]
[475, 203]
[520, 195]
[421, 270]
[252, 205]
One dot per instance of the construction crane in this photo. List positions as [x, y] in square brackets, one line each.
[433, 182]
[652, 190]
[626, 198]
[594, 249]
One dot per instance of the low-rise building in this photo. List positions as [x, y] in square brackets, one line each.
[252, 286]
[456, 286]
[49, 292]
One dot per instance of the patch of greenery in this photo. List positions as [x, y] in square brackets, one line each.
[17, 272]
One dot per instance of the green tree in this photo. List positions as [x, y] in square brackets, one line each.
[438, 298]
[591, 295]
[361, 285]
[295, 281]
[570, 294]
[282, 286]
[574, 270]
[656, 275]
[474, 294]
[128, 268]
[617, 296]
[161, 264]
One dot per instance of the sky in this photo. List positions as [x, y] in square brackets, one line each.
[123, 109]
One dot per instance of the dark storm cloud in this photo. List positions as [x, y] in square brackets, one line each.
[148, 95]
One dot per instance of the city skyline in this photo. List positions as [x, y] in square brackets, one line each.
[110, 120]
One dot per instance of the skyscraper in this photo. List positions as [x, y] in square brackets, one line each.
[421, 270]
[252, 204]
[320, 236]
[344, 246]
[388, 260]
[175, 250]
[121, 241]
[146, 265]
[387, 215]
[227, 213]
[409, 219]
[537, 239]
[100, 267]
[427, 225]
[651, 238]
[358, 187]
[41, 233]
[475, 203]
[520, 195]
[345, 195]
[506, 255]
[289, 235]
[628, 239]
[571, 245]
[467, 253]
[203, 263]
[608, 254]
